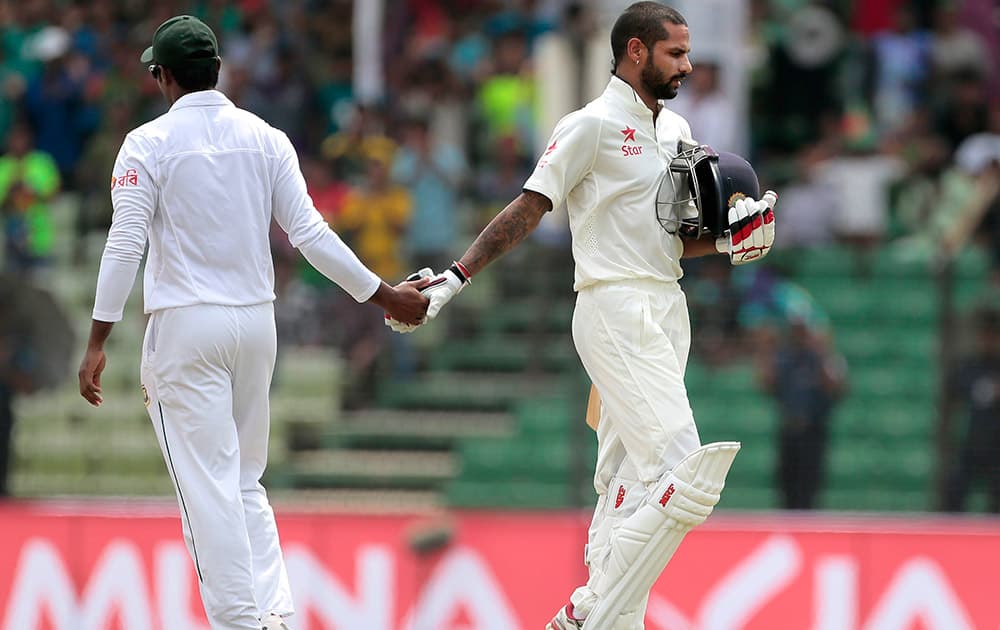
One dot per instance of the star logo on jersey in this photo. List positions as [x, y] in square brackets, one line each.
[630, 149]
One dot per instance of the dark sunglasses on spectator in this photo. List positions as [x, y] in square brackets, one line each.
[154, 69]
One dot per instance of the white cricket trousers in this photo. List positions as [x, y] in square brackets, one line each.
[633, 337]
[206, 370]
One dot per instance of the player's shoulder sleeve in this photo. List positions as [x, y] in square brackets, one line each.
[291, 204]
[275, 141]
[569, 155]
[138, 144]
[133, 178]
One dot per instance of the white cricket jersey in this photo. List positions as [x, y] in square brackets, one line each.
[606, 162]
[201, 183]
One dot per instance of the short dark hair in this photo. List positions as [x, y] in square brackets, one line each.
[643, 20]
[194, 77]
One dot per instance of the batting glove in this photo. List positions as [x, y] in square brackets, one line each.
[751, 230]
[394, 323]
[445, 286]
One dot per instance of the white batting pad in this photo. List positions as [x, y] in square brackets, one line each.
[647, 540]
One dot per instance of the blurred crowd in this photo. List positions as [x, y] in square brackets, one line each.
[891, 133]
[890, 129]
[878, 121]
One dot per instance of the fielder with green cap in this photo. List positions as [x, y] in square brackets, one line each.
[201, 185]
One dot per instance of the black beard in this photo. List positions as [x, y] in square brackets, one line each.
[653, 81]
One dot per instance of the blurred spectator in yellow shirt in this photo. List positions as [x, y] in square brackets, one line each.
[376, 213]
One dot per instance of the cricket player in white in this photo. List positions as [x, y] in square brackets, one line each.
[655, 480]
[201, 183]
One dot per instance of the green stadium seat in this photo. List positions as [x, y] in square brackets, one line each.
[905, 421]
[524, 315]
[833, 497]
[851, 417]
[505, 354]
[853, 463]
[892, 383]
[889, 265]
[863, 345]
[824, 262]
[867, 499]
[898, 303]
[507, 494]
[969, 294]
[850, 499]
[909, 341]
[734, 416]
[843, 300]
[908, 466]
[500, 355]
[481, 392]
[698, 379]
[876, 344]
[740, 497]
[972, 263]
[758, 418]
[755, 464]
[862, 416]
[904, 500]
[513, 459]
[735, 379]
[548, 416]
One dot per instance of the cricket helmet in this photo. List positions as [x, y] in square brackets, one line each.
[698, 189]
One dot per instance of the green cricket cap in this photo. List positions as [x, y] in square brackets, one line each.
[180, 41]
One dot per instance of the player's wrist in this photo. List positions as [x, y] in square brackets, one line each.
[461, 272]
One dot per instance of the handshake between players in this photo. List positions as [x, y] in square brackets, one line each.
[439, 290]
[749, 237]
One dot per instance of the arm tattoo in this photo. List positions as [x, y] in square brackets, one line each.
[506, 230]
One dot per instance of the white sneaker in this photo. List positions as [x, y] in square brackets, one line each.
[272, 621]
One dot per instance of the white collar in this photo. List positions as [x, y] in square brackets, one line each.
[624, 95]
[202, 98]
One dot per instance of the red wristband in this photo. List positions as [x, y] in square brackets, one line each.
[466, 276]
